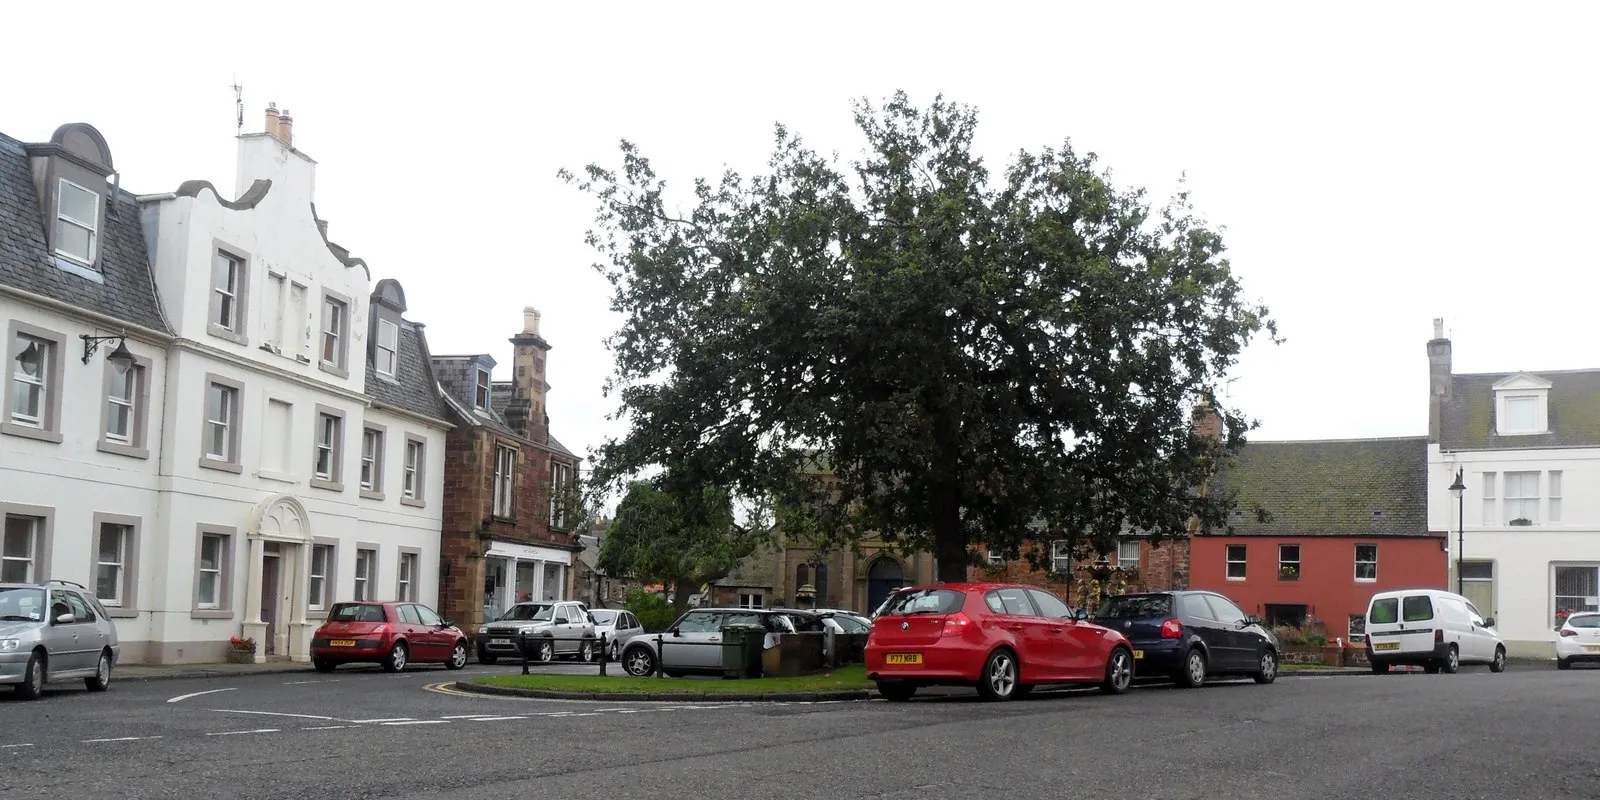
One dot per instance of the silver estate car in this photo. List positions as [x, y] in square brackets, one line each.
[54, 632]
[691, 644]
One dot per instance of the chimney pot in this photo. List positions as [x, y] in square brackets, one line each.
[286, 127]
[530, 320]
[272, 119]
[1438, 327]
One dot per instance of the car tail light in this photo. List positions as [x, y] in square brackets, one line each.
[1171, 629]
[1438, 635]
[956, 624]
[383, 631]
[1568, 632]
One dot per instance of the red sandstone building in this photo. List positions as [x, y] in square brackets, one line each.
[506, 536]
[1345, 519]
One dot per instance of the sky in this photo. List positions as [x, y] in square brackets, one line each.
[1374, 165]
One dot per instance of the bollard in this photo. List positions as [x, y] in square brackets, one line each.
[522, 647]
[604, 655]
[660, 671]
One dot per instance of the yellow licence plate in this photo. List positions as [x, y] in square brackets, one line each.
[1138, 654]
[1591, 648]
[1386, 646]
[342, 643]
[903, 658]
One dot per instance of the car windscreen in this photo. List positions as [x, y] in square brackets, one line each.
[1385, 611]
[1136, 606]
[1584, 621]
[24, 604]
[527, 612]
[603, 617]
[356, 612]
[925, 601]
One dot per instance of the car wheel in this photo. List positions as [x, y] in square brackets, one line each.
[1268, 672]
[547, 651]
[1499, 662]
[487, 659]
[1193, 674]
[1452, 661]
[458, 656]
[998, 681]
[639, 662]
[1380, 669]
[586, 651]
[101, 680]
[1562, 663]
[32, 685]
[324, 665]
[396, 661]
[896, 691]
[1119, 671]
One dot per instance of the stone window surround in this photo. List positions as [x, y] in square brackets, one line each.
[54, 383]
[140, 446]
[43, 537]
[129, 604]
[336, 483]
[230, 536]
[420, 500]
[235, 462]
[241, 296]
[507, 496]
[416, 569]
[372, 567]
[330, 581]
[341, 369]
[376, 492]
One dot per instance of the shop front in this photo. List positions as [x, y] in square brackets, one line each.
[518, 572]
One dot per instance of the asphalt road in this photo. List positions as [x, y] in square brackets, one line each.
[1526, 733]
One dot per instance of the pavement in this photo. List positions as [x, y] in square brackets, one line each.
[363, 733]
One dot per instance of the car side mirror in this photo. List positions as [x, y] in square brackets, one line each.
[445, 623]
[1080, 615]
[676, 632]
[65, 619]
[1488, 623]
[1252, 620]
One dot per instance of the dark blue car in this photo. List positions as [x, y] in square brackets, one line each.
[1191, 635]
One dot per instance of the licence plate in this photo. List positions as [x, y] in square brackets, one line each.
[1386, 646]
[1591, 648]
[499, 641]
[342, 643]
[903, 658]
[1138, 654]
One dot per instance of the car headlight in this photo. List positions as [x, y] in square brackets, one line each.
[7, 645]
[484, 630]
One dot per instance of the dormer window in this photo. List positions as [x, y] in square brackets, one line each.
[388, 347]
[77, 222]
[1522, 405]
[481, 397]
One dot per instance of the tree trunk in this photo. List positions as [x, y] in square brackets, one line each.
[680, 596]
[949, 540]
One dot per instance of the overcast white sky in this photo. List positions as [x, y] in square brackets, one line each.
[1375, 165]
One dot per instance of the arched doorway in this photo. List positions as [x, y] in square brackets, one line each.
[275, 593]
[884, 575]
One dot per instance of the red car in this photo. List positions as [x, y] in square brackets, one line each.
[1004, 639]
[391, 634]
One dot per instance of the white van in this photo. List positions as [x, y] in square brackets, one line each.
[1431, 629]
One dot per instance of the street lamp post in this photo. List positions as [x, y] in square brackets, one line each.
[1459, 489]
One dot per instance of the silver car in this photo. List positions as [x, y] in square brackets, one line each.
[692, 644]
[54, 632]
[616, 627]
[562, 626]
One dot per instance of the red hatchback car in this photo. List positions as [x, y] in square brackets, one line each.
[391, 634]
[1004, 639]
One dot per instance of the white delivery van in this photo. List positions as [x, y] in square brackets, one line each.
[1431, 629]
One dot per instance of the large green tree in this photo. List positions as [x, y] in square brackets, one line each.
[682, 541]
[969, 357]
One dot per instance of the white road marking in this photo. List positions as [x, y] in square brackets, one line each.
[236, 733]
[495, 719]
[466, 716]
[326, 728]
[382, 719]
[272, 714]
[10, 746]
[120, 739]
[419, 722]
[182, 697]
[302, 683]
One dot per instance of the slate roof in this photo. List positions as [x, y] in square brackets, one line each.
[26, 263]
[1467, 420]
[1349, 487]
[456, 375]
[413, 388]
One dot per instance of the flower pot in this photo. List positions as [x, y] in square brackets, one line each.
[241, 656]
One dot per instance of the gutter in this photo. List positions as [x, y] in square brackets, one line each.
[135, 331]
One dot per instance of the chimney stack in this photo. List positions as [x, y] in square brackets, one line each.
[272, 120]
[286, 128]
[528, 386]
[1207, 422]
[530, 320]
[1441, 381]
